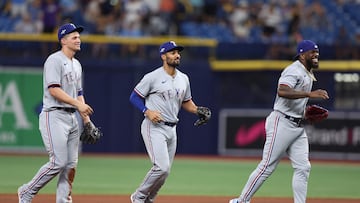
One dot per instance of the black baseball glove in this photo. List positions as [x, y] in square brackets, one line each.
[91, 134]
[204, 115]
[315, 113]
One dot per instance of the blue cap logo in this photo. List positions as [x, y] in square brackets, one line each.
[68, 28]
[169, 46]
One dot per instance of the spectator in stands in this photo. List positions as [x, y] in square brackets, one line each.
[132, 25]
[153, 6]
[345, 46]
[295, 19]
[294, 27]
[224, 9]
[240, 22]
[5, 13]
[166, 12]
[254, 9]
[18, 8]
[270, 19]
[70, 10]
[26, 25]
[92, 12]
[5, 8]
[95, 19]
[36, 14]
[52, 15]
[283, 42]
[134, 12]
[316, 17]
[154, 25]
[183, 12]
[51, 20]
[198, 6]
[210, 7]
[103, 24]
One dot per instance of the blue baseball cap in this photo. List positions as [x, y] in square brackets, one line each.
[169, 46]
[304, 46]
[68, 28]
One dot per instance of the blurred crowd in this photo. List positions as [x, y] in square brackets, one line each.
[281, 23]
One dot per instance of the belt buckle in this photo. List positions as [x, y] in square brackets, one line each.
[296, 120]
[299, 121]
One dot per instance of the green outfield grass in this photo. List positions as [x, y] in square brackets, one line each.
[189, 176]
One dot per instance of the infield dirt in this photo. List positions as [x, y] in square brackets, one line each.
[41, 198]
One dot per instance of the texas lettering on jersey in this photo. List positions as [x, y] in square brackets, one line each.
[176, 93]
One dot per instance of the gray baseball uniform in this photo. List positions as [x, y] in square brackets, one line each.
[59, 129]
[166, 94]
[284, 135]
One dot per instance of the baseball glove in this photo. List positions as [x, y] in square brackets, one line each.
[315, 113]
[91, 134]
[204, 115]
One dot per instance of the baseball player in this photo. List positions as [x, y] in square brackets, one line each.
[284, 133]
[58, 123]
[165, 90]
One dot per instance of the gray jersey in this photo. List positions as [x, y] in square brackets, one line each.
[60, 70]
[297, 77]
[164, 93]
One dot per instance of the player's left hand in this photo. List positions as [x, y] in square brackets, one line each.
[204, 114]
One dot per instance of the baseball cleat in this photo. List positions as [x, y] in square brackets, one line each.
[135, 199]
[234, 201]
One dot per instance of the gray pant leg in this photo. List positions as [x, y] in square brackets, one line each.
[154, 179]
[280, 134]
[299, 156]
[66, 176]
[171, 150]
[55, 138]
[155, 189]
[160, 142]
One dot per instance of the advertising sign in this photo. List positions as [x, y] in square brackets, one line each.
[242, 133]
[20, 104]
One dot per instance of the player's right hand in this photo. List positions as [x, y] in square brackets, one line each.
[322, 94]
[154, 116]
[85, 110]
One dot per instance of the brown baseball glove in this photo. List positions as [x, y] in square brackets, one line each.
[315, 113]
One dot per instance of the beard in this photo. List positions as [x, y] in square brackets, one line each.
[174, 63]
[311, 64]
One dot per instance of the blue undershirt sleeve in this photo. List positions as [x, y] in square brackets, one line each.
[137, 101]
